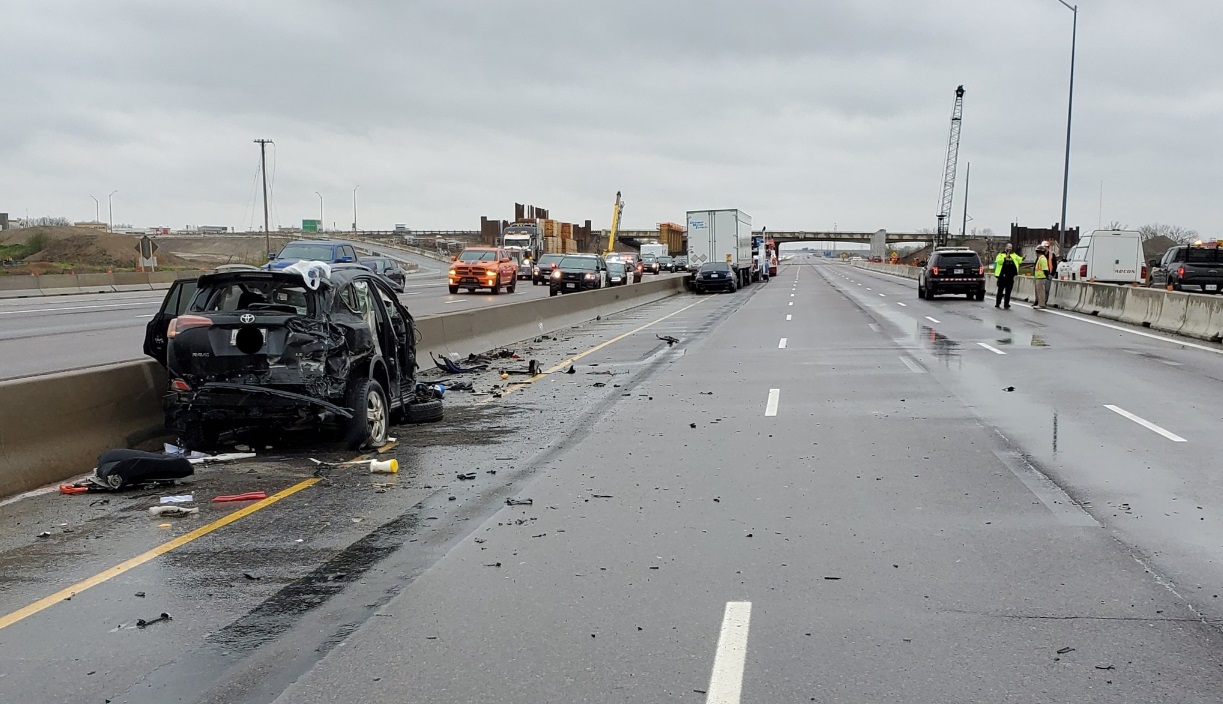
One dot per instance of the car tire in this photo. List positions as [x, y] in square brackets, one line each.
[921, 291]
[429, 411]
[551, 292]
[512, 287]
[534, 282]
[371, 414]
[453, 289]
[497, 285]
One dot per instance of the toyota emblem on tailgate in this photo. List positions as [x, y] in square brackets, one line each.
[247, 318]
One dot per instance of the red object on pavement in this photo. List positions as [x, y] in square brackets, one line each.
[248, 496]
[72, 489]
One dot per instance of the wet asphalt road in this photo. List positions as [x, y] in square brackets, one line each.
[898, 522]
[59, 333]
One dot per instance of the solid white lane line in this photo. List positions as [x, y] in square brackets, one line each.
[781, 345]
[789, 316]
[726, 682]
[902, 305]
[913, 365]
[1122, 328]
[770, 406]
[931, 319]
[1145, 423]
[991, 348]
[131, 304]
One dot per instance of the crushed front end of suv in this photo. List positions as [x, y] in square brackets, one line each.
[263, 350]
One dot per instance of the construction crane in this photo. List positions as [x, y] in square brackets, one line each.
[615, 226]
[953, 155]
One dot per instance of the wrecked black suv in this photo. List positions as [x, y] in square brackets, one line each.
[262, 350]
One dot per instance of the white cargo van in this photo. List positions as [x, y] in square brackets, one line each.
[1105, 256]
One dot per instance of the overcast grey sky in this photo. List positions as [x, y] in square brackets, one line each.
[803, 114]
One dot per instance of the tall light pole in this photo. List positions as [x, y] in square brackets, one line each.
[354, 207]
[97, 214]
[110, 210]
[263, 169]
[320, 208]
[1074, 36]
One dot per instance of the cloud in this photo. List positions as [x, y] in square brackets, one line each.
[802, 114]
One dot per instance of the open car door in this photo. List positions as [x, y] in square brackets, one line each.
[175, 304]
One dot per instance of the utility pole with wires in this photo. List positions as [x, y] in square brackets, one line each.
[263, 168]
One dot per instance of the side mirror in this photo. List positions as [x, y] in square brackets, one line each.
[1153, 263]
[344, 260]
[271, 256]
[454, 259]
[507, 260]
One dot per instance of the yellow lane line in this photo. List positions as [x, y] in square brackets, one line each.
[48, 601]
[576, 357]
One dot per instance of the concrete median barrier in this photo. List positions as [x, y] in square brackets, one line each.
[96, 283]
[19, 286]
[54, 427]
[131, 281]
[1103, 300]
[58, 284]
[1173, 310]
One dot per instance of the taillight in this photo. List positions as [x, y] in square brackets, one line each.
[186, 322]
[981, 270]
[1082, 271]
[1181, 272]
[934, 270]
[180, 385]
[1144, 271]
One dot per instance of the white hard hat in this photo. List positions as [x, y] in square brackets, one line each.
[1045, 243]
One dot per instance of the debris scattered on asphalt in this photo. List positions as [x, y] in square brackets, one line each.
[571, 370]
[707, 393]
[466, 476]
[248, 496]
[141, 623]
[520, 502]
[749, 535]
[493, 564]
[159, 511]
[599, 384]
[460, 386]
[100, 502]
[1009, 389]
[832, 579]
[541, 535]
[1105, 667]
[668, 339]
[600, 496]
[717, 499]
[250, 576]
[490, 471]
[451, 366]
[1063, 651]
[182, 499]
[452, 497]
[140, 594]
[692, 425]
[44, 534]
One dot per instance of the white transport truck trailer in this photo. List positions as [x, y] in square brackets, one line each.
[721, 236]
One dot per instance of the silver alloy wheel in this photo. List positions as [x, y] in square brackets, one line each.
[375, 413]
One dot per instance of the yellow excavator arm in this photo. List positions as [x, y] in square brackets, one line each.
[615, 225]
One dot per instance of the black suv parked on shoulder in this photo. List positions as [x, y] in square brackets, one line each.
[1195, 267]
[952, 270]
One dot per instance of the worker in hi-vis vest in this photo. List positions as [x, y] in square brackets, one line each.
[1006, 268]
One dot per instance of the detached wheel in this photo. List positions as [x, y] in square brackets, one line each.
[371, 414]
[429, 411]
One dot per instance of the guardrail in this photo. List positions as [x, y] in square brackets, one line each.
[54, 427]
[25, 286]
[1193, 315]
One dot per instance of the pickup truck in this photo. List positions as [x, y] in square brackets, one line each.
[483, 267]
[1196, 267]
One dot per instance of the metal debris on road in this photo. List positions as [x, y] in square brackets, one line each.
[600, 496]
[1009, 389]
[466, 476]
[158, 511]
[141, 623]
[493, 564]
[250, 576]
[1063, 651]
[182, 499]
[520, 502]
[571, 370]
[668, 339]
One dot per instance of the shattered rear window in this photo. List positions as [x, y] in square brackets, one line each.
[276, 296]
